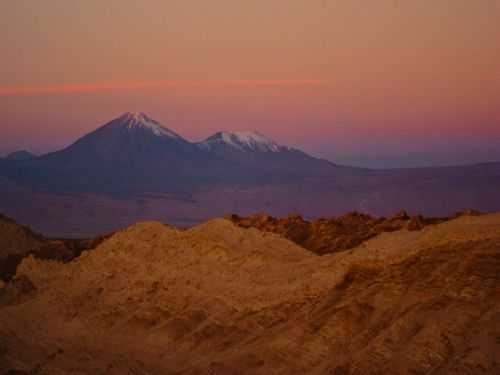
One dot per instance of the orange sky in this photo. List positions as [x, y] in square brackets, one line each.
[379, 83]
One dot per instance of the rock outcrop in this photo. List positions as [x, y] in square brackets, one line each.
[325, 236]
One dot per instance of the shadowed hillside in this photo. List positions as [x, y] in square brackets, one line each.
[17, 242]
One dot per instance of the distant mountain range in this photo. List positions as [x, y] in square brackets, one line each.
[134, 169]
[135, 154]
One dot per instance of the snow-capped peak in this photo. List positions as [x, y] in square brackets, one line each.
[243, 141]
[139, 120]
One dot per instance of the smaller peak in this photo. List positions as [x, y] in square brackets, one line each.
[244, 141]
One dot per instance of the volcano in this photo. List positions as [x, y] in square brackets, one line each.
[134, 154]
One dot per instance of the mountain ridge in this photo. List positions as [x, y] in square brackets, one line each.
[242, 141]
[238, 140]
[134, 153]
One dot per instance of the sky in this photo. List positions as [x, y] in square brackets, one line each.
[382, 83]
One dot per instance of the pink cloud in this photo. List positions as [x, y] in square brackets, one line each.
[137, 85]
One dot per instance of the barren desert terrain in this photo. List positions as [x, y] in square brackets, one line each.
[222, 299]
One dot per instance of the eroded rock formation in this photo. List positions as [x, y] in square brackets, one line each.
[325, 236]
[221, 299]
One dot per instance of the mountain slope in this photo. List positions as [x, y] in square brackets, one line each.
[129, 138]
[218, 299]
[252, 157]
[129, 154]
[134, 154]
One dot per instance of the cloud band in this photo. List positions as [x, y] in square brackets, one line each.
[138, 85]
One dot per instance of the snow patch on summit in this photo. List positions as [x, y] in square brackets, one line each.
[140, 120]
[243, 141]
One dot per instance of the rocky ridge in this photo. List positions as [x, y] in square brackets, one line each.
[330, 235]
[220, 299]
